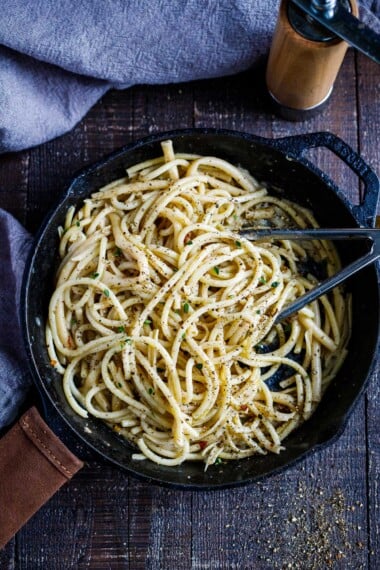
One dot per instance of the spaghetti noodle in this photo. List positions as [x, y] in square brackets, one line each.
[162, 321]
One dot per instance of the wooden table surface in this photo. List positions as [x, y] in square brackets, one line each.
[321, 513]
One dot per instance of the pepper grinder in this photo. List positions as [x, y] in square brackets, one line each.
[308, 48]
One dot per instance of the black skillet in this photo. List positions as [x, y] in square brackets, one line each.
[281, 165]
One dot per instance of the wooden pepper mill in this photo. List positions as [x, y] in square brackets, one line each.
[304, 61]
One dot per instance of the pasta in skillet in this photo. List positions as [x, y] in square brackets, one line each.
[163, 319]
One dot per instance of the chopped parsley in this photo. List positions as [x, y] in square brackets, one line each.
[94, 275]
[106, 292]
[159, 369]
[262, 280]
[238, 243]
[78, 224]
[151, 391]
[218, 461]
[117, 252]
[189, 243]
[147, 322]
[275, 284]
[216, 270]
[199, 366]
[120, 329]
[186, 307]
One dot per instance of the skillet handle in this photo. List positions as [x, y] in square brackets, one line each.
[296, 146]
[34, 464]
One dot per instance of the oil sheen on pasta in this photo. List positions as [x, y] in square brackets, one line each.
[162, 320]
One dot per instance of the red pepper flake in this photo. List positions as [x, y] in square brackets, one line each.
[70, 342]
[244, 407]
[202, 444]
[188, 238]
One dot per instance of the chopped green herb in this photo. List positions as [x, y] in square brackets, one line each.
[120, 329]
[78, 224]
[117, 252]
[275, 284]
[119, 384]
[106, 292]
[238, 243]
[199, 366]
[128, 340]
[262, 280]
[218, 461]
[189, 243]
[258, 312]
[183, 336]
[235, 216]
[151, 391]
[94, 275]
[147, 322]
[260, 348]
[73, 321]
[159, 369]
[216, 269]
[186, 307]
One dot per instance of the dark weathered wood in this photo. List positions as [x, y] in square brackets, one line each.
[321, 513]
[368, 129]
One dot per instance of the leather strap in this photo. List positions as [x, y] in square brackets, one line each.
[34, 464]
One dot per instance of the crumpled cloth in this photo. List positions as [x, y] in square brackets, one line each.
[58, 57]
[15, 381]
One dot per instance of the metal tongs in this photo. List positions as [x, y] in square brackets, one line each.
[372, 235]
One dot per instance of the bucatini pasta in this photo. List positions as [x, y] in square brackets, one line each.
[162, 321]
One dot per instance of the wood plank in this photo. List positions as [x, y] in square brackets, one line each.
[14, 172]
[84, 525]
[368, 126]
[161, 108]
[7, 556]
[159, 527]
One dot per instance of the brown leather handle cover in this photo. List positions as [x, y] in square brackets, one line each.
[34, 464]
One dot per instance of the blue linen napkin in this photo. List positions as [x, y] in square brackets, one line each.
[58, 57]
[14, 378]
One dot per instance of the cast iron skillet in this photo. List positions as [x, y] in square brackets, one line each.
[281, 165]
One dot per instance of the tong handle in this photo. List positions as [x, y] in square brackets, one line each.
[313, 233]
[330, 283]
[321, 233]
